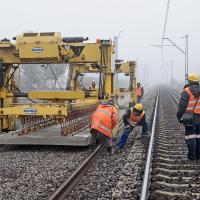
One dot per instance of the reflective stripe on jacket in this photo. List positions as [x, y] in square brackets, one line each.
[135, 119]
[138, 91]
[191, 102]
[104, 119]
[193, 136]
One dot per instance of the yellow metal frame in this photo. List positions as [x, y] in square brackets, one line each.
[34, 110]
[45, 110]
[49, 48]
[82, 104]
[128, 68]
[58, 95]
[41, 48]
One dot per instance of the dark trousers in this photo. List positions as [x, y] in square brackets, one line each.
[192, 137]
[127, 131]
[139, 99]
[98, 138]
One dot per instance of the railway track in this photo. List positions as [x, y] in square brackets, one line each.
[168, 173]
[33, 172]
[69, 184]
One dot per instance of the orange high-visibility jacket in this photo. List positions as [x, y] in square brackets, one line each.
[191, 102]
[104, 119]
[135, 119]
[138, 91]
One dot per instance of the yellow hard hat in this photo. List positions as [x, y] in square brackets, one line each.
[138, 106]
[194, 77]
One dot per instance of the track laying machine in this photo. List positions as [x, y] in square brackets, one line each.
[55, 117]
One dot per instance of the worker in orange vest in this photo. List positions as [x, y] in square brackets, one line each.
[103, 121]
[133, 117]
[190, 103]
[139, 92]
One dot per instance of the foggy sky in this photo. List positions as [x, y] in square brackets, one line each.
[140, 20]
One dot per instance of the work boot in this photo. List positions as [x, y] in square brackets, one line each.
[191, 145]
[119, 146]
[191, 157]
[92, 148]
[111, 150]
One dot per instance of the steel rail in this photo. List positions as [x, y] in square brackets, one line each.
[67, 186]
[148, 166]
[174, 95]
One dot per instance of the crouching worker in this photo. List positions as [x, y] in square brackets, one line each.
[104, 122]
[133, 117]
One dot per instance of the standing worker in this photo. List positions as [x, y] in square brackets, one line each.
[133, 117]
[139, 92]
[104, 121]
[190, 103]
[92, 85]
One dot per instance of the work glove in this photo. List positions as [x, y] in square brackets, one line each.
[179, 120]
[127, 127]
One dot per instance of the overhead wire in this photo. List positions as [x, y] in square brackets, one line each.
[166, 19]
[164, 29]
